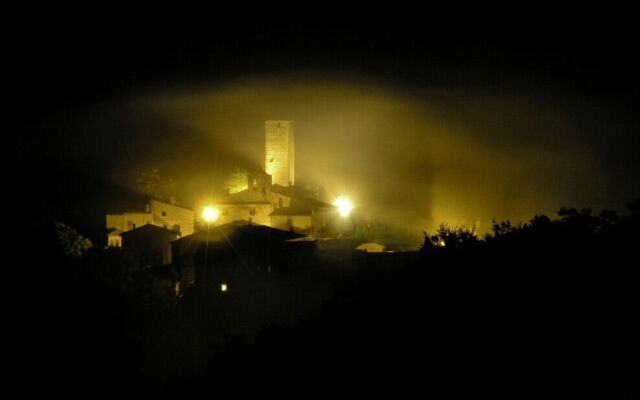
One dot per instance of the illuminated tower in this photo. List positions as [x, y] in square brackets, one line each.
[279, 162]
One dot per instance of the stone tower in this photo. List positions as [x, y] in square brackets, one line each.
[279, 152]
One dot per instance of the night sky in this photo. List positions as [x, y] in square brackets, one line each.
[440, 117]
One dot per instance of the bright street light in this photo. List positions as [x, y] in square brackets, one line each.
[210, 214]
[345, 206]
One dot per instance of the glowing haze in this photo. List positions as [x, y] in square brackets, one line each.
[410, 157]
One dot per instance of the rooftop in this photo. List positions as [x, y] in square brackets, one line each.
[240, 227]
[148, 228]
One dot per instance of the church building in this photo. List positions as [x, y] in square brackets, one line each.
[271, 197]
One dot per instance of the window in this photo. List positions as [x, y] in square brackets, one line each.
[164, 213]
[225, 212]
[252, 211]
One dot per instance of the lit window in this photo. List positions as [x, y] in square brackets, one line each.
[223, 287]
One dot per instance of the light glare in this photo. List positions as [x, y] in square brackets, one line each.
[210, 214]
[345, 206]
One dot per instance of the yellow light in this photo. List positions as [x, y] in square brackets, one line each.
[223, 287]
[442, 243]
[345, 206]
[210, 214]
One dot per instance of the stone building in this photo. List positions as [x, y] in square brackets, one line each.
[252, 204]
[299, 210]
[271, 198]
[232, 248]
[268, 197]
[159, 213]
[279, 154]
[150, 244]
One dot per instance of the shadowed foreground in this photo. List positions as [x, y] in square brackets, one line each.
[545, 309]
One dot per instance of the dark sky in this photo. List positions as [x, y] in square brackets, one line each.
[443, 116]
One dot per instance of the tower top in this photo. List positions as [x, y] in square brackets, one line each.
[279, 151]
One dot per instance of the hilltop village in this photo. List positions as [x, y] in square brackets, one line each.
[264, 222]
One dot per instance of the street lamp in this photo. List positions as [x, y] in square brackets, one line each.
[345, 207]
[209, 215]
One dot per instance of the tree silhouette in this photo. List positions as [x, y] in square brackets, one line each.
[71, 243]
[237, 181]
[451, 238]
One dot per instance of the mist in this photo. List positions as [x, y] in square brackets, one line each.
[410, 158]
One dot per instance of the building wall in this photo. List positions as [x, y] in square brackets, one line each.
[258, 189]
[159, 214]
[299, 223]
[114, 239]
[256, 212]
[279, 152]
[279, 200]
[171, 216]
[323, 217]
[127, 221]
[150, 247]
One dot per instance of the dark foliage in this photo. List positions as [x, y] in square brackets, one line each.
[545, 309]
[75, 318]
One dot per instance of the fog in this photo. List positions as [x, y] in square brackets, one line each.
[410, 157]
